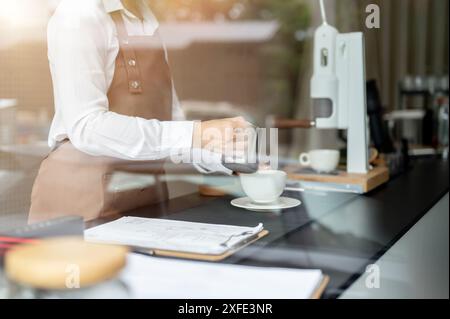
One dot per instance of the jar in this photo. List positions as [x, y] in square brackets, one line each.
[65, 268]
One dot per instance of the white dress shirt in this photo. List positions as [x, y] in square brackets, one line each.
[82, 50]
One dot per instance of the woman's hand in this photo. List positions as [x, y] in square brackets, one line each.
[225, 136]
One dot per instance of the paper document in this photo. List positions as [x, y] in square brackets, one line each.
[158, 278]
[180, 236]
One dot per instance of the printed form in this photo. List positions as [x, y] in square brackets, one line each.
[172, 235]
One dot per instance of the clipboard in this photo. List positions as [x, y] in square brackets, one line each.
[321, 288]
[204, 257]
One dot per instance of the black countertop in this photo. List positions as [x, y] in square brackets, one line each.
[336, 232]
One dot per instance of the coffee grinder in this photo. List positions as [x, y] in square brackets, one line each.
[338, 95]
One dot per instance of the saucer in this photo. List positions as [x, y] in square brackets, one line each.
[282, 203]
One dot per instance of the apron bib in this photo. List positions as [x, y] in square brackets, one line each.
[71, 182]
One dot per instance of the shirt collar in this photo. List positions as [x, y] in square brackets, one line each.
[116, 5]
[113, 5]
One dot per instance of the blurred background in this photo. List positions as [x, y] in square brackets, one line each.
[236, 57]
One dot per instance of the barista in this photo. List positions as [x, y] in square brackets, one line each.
[115, 105]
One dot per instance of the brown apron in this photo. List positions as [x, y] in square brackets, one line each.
[71, 182]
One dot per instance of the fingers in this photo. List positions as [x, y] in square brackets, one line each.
[229, 148]
[218, 135]
[240, 122]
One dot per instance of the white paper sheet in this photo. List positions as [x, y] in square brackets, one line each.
[171, 235]
[159, 278]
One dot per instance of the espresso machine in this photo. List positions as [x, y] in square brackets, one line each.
[338, 101]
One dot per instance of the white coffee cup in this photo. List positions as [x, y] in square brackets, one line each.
[265, 186]
[322, 161]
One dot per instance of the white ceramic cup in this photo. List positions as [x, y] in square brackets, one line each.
[265, 186]
[322, 161]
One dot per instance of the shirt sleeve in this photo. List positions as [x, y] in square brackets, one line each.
[78, 48]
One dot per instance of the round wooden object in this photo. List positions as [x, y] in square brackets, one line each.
[211, 191]
[60, 263]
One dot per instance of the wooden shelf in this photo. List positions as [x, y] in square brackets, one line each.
[376, 177]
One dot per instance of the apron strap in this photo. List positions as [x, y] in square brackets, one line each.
[128, 55]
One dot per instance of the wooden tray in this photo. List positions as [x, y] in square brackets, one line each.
[367, 182]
